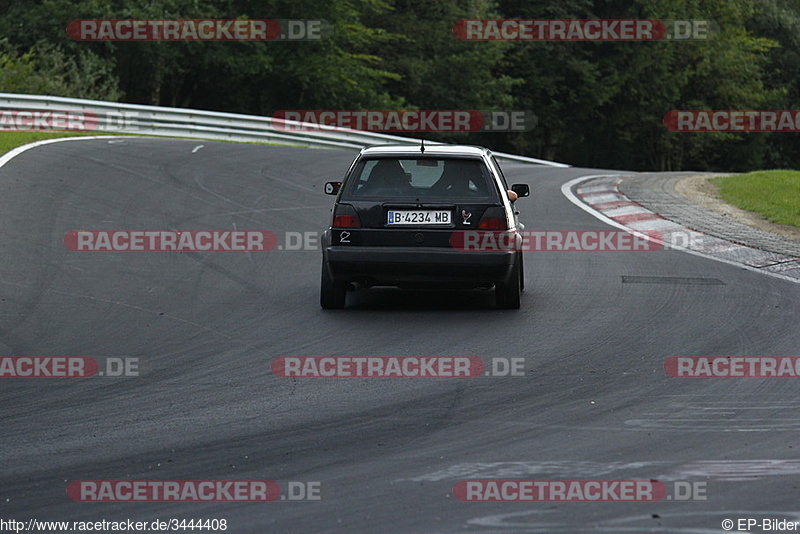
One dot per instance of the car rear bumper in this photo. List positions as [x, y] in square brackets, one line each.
[399, 266]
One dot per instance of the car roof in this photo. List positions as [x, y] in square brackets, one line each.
[430, 150]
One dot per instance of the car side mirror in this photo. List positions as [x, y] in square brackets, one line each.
[332, 188]
[522, 190]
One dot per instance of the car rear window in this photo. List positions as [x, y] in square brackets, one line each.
[421, 178]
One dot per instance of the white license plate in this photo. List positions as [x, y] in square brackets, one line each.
[419, 217]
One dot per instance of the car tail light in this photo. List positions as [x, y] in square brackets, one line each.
[493, 219]
[345, 216]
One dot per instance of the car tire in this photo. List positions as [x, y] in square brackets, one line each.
[332, 293]
[521, 272]
[507, 294]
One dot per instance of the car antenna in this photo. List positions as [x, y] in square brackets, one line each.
[422, 146]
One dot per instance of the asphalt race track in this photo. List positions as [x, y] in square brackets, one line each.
[594, 404]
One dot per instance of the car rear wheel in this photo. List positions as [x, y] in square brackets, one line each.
[507, 294]
[332, 294]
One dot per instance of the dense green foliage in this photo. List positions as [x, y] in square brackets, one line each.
[599, 104]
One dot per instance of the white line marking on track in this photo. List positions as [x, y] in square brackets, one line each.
[11, 154]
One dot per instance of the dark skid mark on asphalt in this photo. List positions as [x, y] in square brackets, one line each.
[672, 280]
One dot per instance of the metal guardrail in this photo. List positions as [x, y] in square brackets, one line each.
[118, 117]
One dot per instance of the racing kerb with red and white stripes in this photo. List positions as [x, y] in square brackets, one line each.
[600, 196]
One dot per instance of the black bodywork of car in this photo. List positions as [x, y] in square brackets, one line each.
[398, 216]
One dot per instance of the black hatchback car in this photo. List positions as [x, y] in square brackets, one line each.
[401, 216]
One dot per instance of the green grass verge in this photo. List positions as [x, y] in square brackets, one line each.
[9, 140]
[773, 194]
